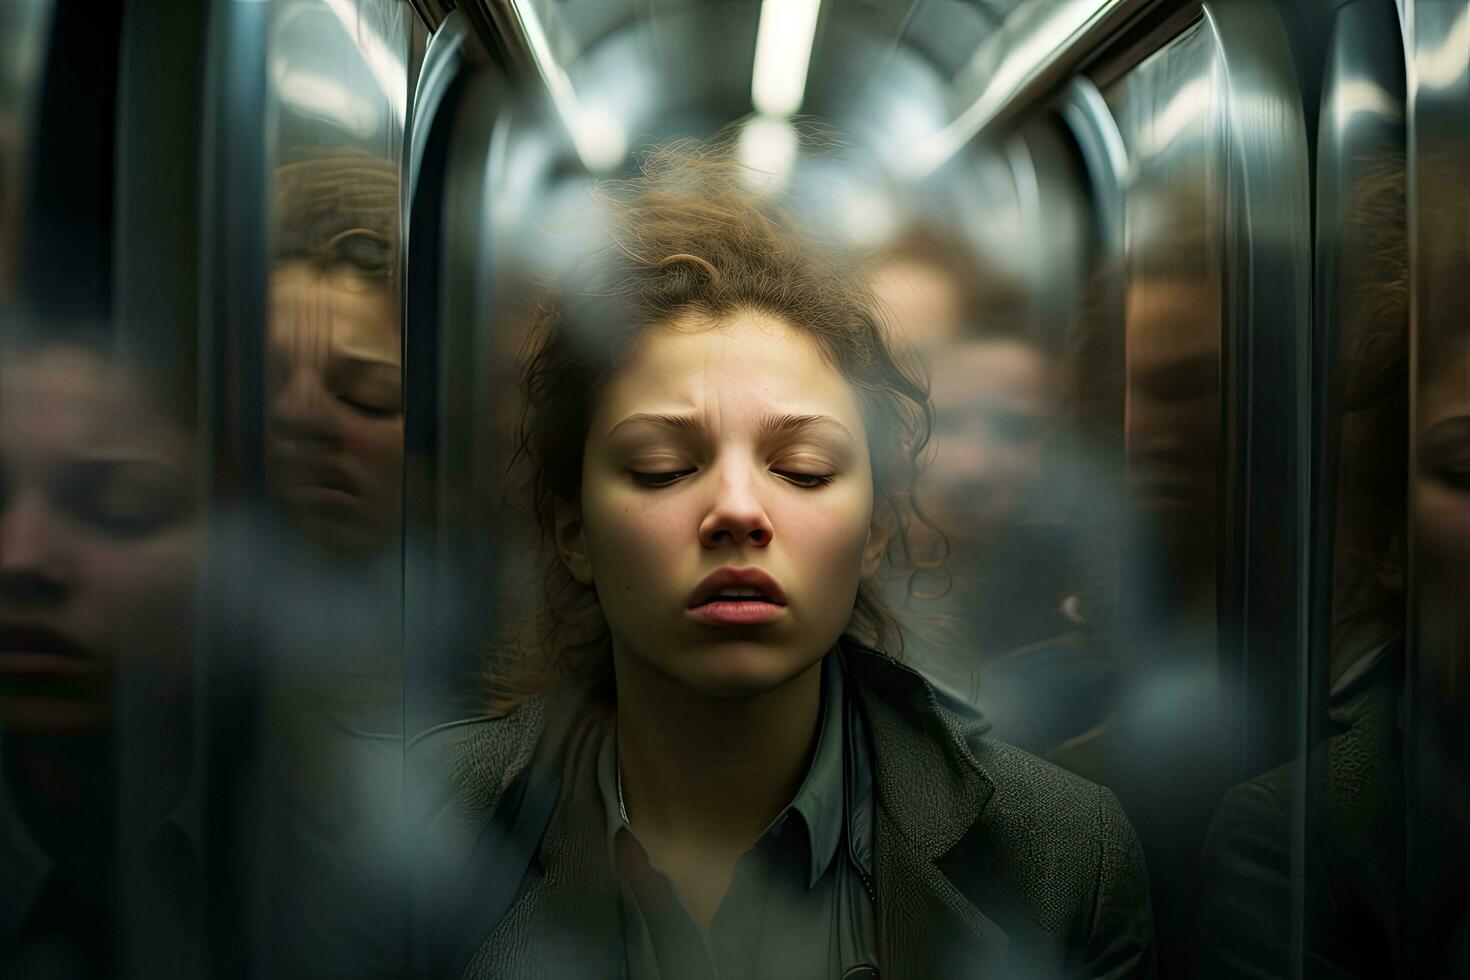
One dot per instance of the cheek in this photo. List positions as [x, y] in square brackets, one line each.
[1444, 523]
[378, 445]
[142, 596]
[824, 535]
[638, 539]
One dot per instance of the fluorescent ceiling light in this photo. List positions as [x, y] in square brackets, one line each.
[1033, 38]
[783, 52]
[384, 62]
[598, 137]
[767, 148]
[1443, 66]
[319, 97]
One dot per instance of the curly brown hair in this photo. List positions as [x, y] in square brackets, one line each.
[690, 240]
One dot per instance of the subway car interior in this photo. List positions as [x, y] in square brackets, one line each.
[1174, 280]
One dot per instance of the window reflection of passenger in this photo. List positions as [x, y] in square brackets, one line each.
[334, 355]
[1003, 638]
[334, 434]
[331, 640]
[1158, 741]
[99, 534]
[1439, 922]
[1354, 860]
[1172, 423]
[718, 776]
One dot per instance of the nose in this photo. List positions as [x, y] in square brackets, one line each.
[302, 409]
[736, 515]
[30, 566]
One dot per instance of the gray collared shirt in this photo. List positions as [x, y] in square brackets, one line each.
[800, 902]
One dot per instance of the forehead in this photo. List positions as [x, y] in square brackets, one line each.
[333, 311]
[63, 400]
[733, 370]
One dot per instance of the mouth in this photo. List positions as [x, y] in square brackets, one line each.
[737, 585]
[33, 651]
[319, 495]
[308, 480]
[737, 597]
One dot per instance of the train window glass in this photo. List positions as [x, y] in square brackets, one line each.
[1346, 789]
[327, 540]
[1438, 793]
[1159, 745]
[23, 33]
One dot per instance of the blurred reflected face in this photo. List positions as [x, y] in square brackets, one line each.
[730, 446]
[993, 405]
[98, 541]
[1173, 407]
[1442, 490]
[335, 452]
[918, 301]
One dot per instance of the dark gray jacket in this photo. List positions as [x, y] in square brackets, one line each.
[988, 862]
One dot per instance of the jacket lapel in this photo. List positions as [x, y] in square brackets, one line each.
[929, 794]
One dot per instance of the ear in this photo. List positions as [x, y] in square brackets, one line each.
[571, 543]
[880, 532]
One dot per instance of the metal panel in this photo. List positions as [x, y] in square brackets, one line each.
[309, 358]
[1438, 36]
[24, 29]
[450, 279]
[1351, 785]
[1215, 281]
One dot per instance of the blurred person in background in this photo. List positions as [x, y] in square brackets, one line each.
[1004, 638]
[99, 552]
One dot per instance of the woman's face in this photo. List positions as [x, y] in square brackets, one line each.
[335, 452]
[99, 538]
[725, 446]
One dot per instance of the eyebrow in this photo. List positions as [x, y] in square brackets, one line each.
[774, 424]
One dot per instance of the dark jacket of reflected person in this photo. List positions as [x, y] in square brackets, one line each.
[722, 447]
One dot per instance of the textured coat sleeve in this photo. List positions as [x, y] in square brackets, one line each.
[1120, 943]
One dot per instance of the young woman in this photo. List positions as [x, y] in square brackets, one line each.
[721, 766]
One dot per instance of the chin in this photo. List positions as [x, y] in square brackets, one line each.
[739, 670]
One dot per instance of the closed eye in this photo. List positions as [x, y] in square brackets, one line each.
[662, 479]
[810, 481]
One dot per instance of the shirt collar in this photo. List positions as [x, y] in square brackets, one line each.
[820, 801]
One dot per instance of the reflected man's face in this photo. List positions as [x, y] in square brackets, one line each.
[98, 540]
[335, 450]
[994, 404]
[732, 444]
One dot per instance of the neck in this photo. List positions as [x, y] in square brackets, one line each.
[711, 770]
